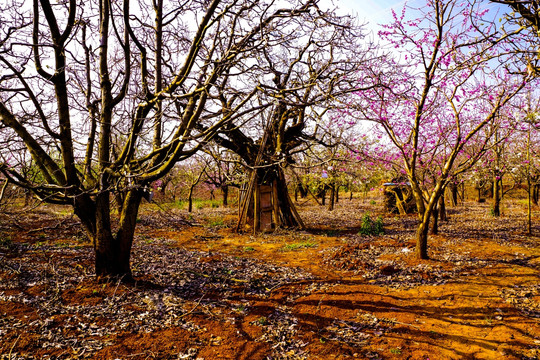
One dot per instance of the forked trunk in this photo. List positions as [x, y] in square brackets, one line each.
[112, 251]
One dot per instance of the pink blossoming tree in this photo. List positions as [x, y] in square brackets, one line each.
[448, 89]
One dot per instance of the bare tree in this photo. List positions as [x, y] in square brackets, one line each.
[107, 97]
[302, 76]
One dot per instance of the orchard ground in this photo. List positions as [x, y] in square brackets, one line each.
[205, 292]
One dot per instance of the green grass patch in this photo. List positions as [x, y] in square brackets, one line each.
[217, 221]
[198, 204]
[299, 245]
[263, 320]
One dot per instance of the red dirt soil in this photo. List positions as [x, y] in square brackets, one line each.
[205, 292]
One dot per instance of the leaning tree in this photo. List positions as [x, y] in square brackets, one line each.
[107, 97]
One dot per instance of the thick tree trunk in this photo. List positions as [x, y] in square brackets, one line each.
[289, 216]
[126, 231]
[104, 242]
[225, 193]
[112, 251]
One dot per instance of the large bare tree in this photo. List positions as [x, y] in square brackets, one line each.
[304, 77]
[107, 96]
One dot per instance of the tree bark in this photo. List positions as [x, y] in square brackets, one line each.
[190, 199]
[536, 194]
[454, 191]
[332, 198]
[442, 208]
[112, 251]
[422, 238]
[225, 193]
[287, 212]
[496, 204]
[435, 221]
[289, 215]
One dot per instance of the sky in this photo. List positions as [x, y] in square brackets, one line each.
[375, 12]
[372, 11]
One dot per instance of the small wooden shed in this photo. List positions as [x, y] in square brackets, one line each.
[264, 207]
[398, 198]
